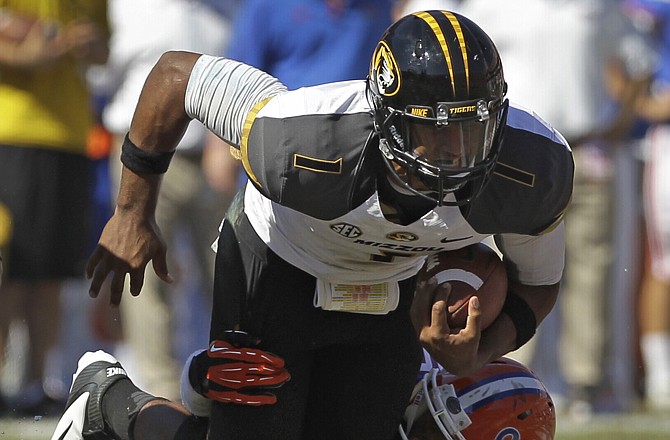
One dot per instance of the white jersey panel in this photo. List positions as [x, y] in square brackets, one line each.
[325, 99]
[536, 257]
[363, 247]
[359, 247]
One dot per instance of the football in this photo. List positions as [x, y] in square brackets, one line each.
[473, 270]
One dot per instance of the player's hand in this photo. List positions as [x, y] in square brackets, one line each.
[236, 371]
[458, 351]
[41, 46]
[127, 244]
[86, 41]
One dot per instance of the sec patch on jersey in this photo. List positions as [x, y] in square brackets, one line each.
[472, 270]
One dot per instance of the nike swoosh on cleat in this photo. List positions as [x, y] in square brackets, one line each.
[62, 437]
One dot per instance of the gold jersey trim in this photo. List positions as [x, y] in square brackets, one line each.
[244, 142]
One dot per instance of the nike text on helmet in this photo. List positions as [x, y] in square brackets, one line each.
[438, 93]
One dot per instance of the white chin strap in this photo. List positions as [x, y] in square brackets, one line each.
[443, 404]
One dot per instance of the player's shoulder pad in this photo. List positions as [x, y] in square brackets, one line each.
[309, 149]
[531, 184]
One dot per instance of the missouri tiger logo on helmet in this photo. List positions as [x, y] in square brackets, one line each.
[385, 71]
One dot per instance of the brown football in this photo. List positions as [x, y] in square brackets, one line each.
[472, 270]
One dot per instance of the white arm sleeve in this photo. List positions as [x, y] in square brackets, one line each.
[221, 92]
[539, 259]
[195, 402]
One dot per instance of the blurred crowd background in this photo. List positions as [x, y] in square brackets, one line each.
[597, 70]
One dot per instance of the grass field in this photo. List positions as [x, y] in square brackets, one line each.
[633, 426]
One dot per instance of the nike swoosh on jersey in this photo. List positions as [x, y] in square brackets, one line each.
[446, 240]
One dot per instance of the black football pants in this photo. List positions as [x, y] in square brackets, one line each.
[351, 374]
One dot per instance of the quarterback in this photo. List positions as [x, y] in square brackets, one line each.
[351, 186]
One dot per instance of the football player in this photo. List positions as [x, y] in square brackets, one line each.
[351, 186]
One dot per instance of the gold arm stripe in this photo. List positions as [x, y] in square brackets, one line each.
[317, 165]
[514, 174]
[440, 38]
[244, 143]
[461, 42]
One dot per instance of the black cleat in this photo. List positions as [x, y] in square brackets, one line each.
[82, 419]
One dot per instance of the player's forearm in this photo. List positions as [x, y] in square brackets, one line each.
[540, 298]
[501, 337]
[138, 194]
[157, 127]
[160, 119]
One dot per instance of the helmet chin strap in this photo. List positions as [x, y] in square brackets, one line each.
[405, 188]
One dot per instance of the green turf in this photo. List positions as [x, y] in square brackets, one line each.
[630, 426]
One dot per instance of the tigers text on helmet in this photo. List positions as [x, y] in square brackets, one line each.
[438, 93]
[503, 400]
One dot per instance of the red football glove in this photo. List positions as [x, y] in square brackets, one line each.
[234, 371]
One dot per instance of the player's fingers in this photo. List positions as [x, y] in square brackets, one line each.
[136, 281]
[438, 318]
[93, 261]
[240, 375]
[116, 287]
[97, 279]
[472, 324]
[224, 350]
[247, 398]
[420, 312]
[159, 263]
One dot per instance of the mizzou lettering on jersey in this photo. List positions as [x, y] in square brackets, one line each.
[400, 247]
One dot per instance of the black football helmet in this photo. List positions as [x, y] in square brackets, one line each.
[438, 94]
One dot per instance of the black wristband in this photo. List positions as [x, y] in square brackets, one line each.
[144, 162]
[522, 317]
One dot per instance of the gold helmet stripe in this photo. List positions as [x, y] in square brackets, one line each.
[430, 20]
[461, 43]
